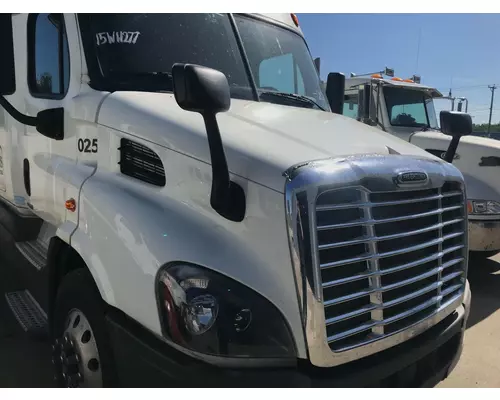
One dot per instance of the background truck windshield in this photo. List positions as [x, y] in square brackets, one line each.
[408, 107]
[130, 50]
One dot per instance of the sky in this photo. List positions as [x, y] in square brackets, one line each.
[457, 50]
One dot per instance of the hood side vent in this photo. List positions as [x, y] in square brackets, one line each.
[140, 162]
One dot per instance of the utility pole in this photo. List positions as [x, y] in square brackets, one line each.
[492, 88]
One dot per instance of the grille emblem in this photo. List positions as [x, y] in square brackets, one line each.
[412, 177]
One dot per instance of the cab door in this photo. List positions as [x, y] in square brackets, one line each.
[53, 73]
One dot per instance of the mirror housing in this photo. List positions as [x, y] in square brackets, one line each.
[455, 124]
[335, 86]
[50, 123]
[200, 89]
[317, 64]
[364, 98]
[206, 91]
[7, 69]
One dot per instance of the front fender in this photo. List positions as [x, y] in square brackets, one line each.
[127, 230]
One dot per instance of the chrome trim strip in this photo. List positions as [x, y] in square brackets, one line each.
[371, 221]
[374, 173]
[329, 207]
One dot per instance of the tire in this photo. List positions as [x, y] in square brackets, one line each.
[82, 354]
[482, 255]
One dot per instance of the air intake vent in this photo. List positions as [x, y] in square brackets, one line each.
[140, 162]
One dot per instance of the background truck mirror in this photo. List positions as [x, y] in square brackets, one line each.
[7, 71]
[455, 124]
[364, 103]
[206, 91]
[317, 64]
[335, 86]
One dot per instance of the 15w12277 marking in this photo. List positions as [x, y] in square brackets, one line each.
[87, 146]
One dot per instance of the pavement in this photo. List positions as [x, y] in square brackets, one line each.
[26, 362]
[479, 365]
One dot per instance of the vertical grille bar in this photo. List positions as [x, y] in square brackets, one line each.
[374, 280]
[440, 249]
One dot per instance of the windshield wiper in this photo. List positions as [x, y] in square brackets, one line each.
[291, 96]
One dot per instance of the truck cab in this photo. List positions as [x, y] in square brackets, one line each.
[194, 214]
[405, 109]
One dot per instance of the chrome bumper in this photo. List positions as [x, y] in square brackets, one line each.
[484, 235]
[467, 301]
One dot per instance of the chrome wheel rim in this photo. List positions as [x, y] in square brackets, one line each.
[75, 353]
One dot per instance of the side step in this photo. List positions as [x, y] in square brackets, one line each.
[35, 252]
[28, 313]
[20, 227]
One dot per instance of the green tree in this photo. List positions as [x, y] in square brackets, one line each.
[44, 83]
[484, 127]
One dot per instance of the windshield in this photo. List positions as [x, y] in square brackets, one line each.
[137, 51]
[409, 107]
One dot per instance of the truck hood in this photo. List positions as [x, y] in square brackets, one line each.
[478, 160]
[261, 140]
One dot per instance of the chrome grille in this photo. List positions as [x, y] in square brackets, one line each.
[387, 260]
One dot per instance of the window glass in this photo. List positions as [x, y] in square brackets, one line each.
[351, 107]
[51, 55]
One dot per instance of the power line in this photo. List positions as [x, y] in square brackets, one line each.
[465, 87]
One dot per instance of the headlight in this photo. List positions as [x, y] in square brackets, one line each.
[483, 207]
[210, 313]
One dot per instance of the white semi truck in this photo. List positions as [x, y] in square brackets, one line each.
[405, 109]
[195, 215]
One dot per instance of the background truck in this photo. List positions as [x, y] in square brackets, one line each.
[195, 215]
[406, 110]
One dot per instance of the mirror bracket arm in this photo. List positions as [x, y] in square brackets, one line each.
[22, 118]
[452, 149]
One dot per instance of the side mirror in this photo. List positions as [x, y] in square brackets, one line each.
[455, 124]
[200, 89]
[50, 123]
[335, 86]
[206, 91]
[7, 70]
[317, 64]
[364, 95]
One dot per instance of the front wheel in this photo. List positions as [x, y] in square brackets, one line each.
[81, 348]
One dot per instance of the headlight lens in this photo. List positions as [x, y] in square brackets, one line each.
[483, 207]
[210, 313]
